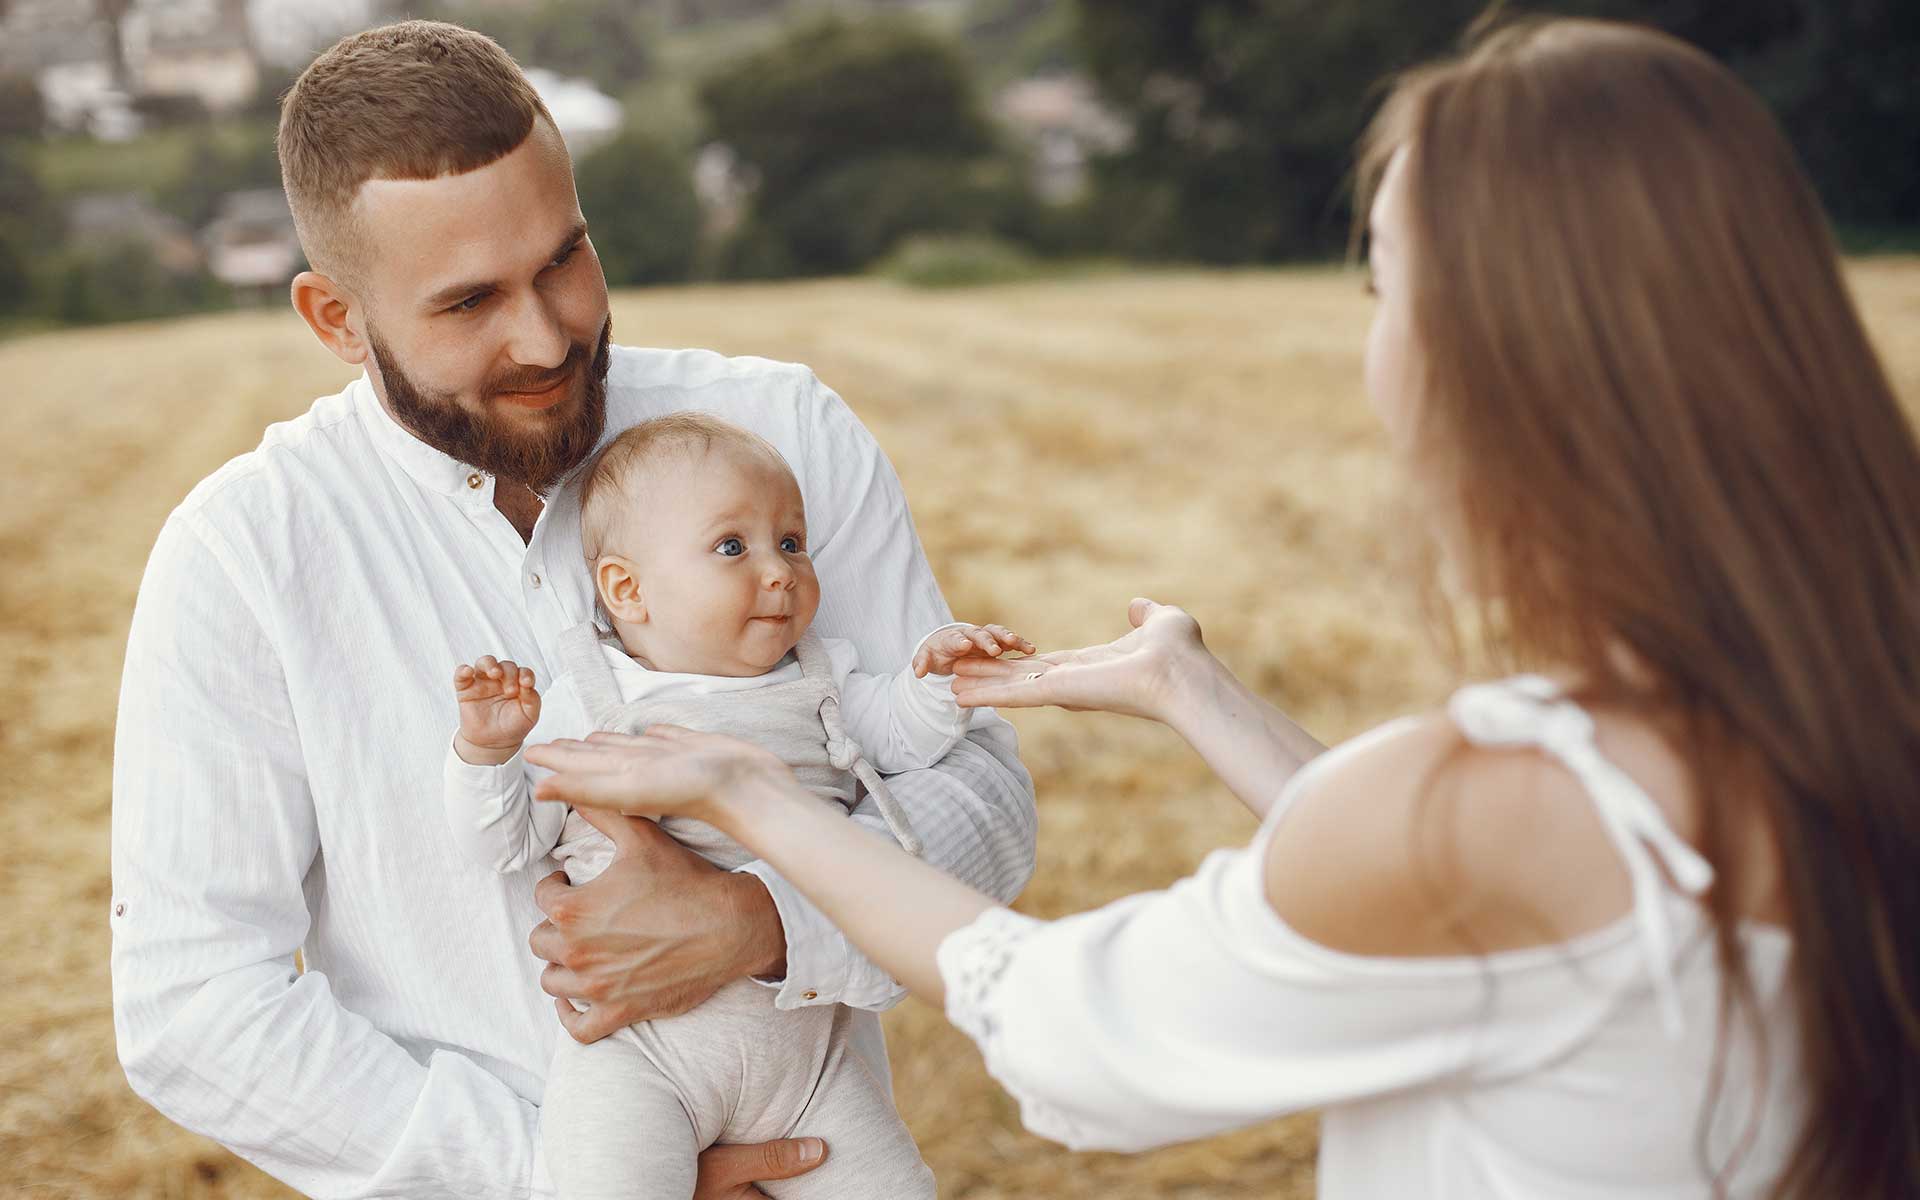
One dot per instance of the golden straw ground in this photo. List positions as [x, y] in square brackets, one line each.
[1201, 438]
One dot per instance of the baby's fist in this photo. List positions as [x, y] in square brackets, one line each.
[939, 652]
[499, 707]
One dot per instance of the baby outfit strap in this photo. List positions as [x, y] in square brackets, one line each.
[582, 656]
[812, 656]
[845, 753]
[1529, 710]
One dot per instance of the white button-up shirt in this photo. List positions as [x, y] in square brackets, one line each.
[285, 709]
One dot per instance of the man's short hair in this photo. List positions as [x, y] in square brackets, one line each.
[413, 100]
[609, 490]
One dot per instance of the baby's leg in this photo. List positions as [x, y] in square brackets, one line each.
[870, 1153]
[615, 1127]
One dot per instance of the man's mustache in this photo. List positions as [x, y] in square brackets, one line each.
[540, 381]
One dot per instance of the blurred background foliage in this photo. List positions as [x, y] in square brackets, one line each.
[763, 139]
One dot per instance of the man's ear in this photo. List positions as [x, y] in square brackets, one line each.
[618, 584]
[326, 306]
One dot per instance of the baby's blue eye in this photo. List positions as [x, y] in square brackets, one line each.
[790, 544]
[731, 547]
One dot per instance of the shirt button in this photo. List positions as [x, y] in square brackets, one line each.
[475, 480]
[534, 580]
[811, 996]
[120, 910]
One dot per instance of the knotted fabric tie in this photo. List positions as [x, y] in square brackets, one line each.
[1529, 710]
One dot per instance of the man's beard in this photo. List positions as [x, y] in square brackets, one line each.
[536, 459]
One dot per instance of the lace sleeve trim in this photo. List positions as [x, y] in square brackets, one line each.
[972, 960]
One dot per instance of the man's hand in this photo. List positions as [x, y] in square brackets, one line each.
[499, 707]
[729, 1172]
[654, 935]
[939, 652]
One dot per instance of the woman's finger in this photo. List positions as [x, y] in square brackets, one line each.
[671, 733]
[1001, 668]
[1019, 694]
[607, 737]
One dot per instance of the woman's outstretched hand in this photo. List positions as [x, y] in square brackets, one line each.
[668, 771]
[1135, 674]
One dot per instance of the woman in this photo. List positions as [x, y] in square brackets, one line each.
[1641, 923]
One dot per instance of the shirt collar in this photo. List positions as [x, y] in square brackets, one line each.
[432, 468]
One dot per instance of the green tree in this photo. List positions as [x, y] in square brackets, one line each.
[637, 194]
[23, 114]
[859, 135]
[834, 92]
[25, 228]
[607, 41]
[1246, 111]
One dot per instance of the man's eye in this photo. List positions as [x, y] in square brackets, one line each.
[731, 547]
[564, 256]
[790, 544]
[470, 303]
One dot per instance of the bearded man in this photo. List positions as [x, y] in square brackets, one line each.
[285, 708]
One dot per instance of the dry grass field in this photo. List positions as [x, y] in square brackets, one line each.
[1200, 438]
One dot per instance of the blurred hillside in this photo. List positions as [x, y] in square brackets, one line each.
[756, 139]
[1196, 437]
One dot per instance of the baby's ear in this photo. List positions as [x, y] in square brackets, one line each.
[618, 584]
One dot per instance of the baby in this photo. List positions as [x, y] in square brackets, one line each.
[697, 537]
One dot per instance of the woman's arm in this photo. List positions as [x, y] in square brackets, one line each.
[1160, 671]
[1252, 746]
[1164, 1016]
[751, 795]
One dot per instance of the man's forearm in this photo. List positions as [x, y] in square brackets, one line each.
[269, 1065]
[764, 949]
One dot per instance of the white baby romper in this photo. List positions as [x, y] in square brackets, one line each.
[627, 1116]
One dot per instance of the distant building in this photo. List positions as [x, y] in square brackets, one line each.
[217, 69]
[1065, 126]
[92, 71]
[81, 97]
[251, 245]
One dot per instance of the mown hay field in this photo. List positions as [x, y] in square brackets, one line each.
[1200, 438]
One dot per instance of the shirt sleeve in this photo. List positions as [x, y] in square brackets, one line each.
[214, 835]
[1181, 1014]
[973, 810]
[903, 722]
[490, 808]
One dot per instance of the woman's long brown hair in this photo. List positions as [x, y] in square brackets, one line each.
[1664, 430]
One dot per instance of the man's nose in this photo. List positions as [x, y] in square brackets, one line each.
[538, 339]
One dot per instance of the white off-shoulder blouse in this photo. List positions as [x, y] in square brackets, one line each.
[1582, 1069]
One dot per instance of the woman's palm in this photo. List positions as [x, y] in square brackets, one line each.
[1133, 674]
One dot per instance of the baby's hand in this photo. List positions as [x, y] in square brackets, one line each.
[938, 653]
[498, 709]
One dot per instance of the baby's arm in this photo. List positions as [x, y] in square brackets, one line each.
[909, 720]
[489, 799]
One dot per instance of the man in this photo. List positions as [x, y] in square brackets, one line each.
[285, 706]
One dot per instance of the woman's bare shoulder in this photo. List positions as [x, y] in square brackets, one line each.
[1421, 844]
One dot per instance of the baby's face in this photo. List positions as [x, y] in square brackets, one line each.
[725, 575]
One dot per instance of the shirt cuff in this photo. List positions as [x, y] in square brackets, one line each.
[817, 952]
[479, 776]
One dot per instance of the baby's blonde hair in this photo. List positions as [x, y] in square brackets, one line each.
[609, 490]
